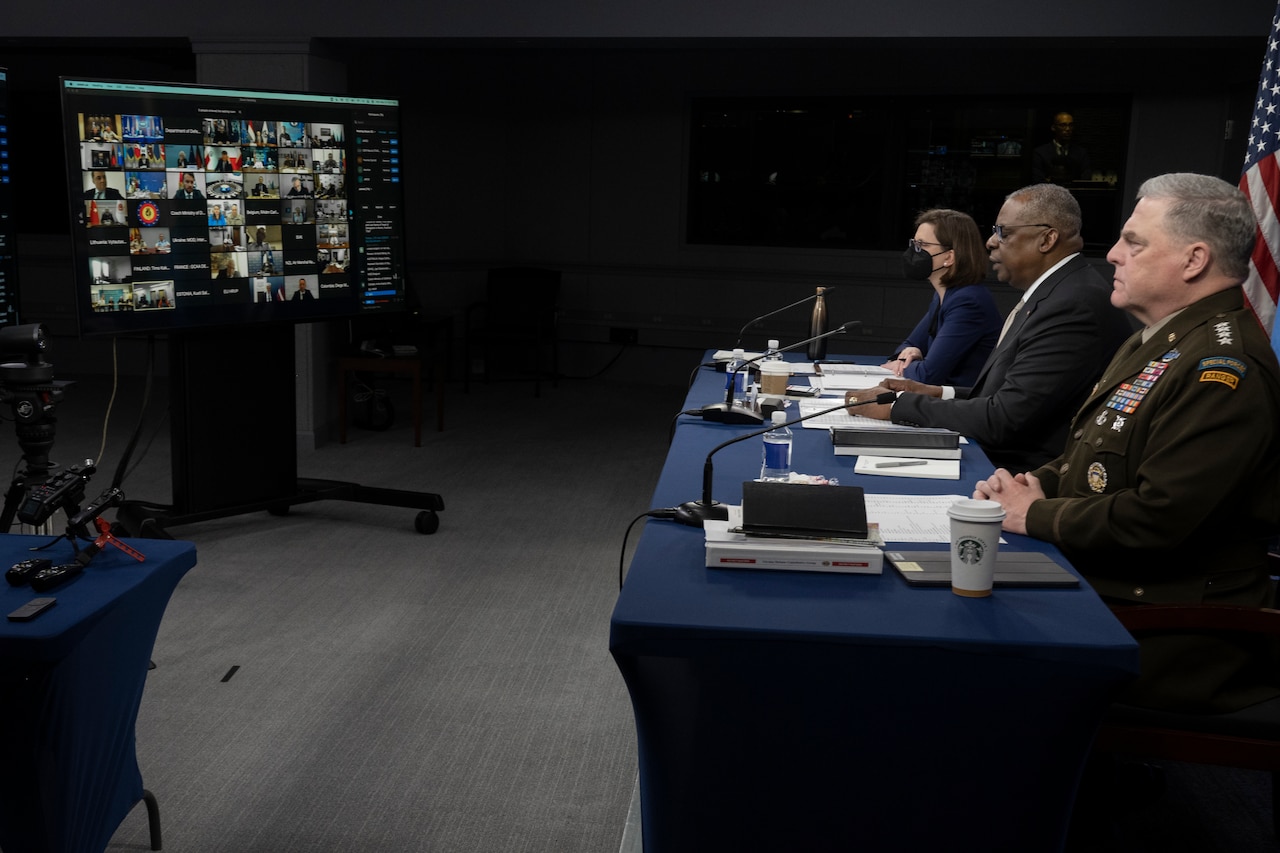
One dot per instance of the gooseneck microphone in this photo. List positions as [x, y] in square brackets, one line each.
[727, 412]
[826, 289]
[694, 513]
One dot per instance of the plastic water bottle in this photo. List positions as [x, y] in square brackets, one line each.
[735, 381]
[777, 450]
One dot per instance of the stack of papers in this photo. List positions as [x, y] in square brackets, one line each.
[935, 463]
[840, 417]
[831, 368]
[729, 548]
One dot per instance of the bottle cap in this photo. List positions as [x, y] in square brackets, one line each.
[773, 344]
[779, 418]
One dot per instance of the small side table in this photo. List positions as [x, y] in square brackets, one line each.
[412, 367]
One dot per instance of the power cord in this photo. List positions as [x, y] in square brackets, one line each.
[666, 513]
[115, 385]
[122, 466]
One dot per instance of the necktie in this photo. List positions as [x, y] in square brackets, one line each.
[1008, 321]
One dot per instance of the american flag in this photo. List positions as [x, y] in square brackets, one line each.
[1260, 181]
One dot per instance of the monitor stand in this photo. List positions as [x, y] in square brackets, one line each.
[233, 433]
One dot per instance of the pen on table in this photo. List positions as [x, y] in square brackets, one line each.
[902, 464]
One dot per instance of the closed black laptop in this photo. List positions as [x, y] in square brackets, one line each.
[798, 509]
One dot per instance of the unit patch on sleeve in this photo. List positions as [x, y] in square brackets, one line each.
[1228, 371]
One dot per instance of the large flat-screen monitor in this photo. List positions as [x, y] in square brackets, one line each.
[198, 206]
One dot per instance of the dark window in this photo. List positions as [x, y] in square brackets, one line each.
[853, 173]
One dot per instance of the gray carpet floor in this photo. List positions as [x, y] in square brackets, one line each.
[395, 691]
[332, 680]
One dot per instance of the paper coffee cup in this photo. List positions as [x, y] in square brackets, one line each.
[975, 542]
[773, 377]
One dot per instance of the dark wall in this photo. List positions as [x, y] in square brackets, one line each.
[658, 19]
[577, 158]
[573, 154]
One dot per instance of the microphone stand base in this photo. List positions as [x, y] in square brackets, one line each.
[694, 513]
[723, 413]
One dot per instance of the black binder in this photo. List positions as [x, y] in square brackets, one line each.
[903, 439]
[799, 509]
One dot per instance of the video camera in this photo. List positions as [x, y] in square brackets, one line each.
[63, 491]
[31, 392]
[29, 388]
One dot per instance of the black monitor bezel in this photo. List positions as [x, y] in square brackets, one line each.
[8, 215]
[189, 101]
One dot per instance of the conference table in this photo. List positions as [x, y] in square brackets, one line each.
[812, 711]
[72, 680]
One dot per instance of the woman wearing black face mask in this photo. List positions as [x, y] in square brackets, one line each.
[952, 341]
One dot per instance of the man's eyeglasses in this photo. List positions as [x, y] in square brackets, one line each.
[1002, 231]
[919, 245]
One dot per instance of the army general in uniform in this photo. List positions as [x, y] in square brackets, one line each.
[1169, 485]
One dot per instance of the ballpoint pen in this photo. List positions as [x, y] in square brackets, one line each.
[902, 464]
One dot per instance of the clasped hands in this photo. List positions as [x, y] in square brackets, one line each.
[1014, 492]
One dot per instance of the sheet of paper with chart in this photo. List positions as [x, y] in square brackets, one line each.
[912, 518]
[830, 368]
[834, 378]
[841, 417]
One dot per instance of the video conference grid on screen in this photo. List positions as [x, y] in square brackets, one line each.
[208, 206]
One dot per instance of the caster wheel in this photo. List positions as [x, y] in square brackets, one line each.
[427, 522]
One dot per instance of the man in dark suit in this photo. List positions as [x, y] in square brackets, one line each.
[1054, 346]
[100, 189]
[188, 189]
[1169, 486]
[1061, 160]
[302, 294]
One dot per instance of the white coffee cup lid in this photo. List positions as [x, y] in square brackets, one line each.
[968, 509]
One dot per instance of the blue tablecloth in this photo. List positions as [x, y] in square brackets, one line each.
[72, 682]
[812, 711]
